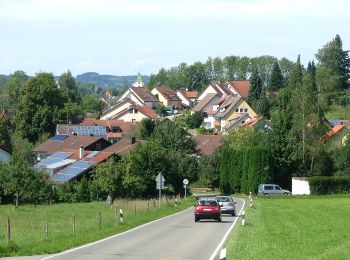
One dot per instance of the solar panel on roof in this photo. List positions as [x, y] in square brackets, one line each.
[92, 154]
[46, 161]
[72, 171]
[59, 138]
[87, 130]
[60, 155]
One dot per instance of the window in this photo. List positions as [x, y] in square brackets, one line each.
[277, 187]
[237, 110]
[241, 110]
[268, 187]
[246, 110]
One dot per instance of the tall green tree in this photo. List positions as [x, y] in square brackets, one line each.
[277, 80]
[145, 128]
[256, 87]
[68, 87]
[312, 70]
[38, 108]
[230, 67]
[332, 56]
[296, 75]
[5, 135]
[15, 84]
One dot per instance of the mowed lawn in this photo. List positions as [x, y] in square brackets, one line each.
[28, 235]
[293, 228]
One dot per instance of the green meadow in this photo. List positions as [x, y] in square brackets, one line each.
[293, 228]
[93, 221]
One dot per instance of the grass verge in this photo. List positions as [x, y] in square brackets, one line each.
[28, 228]
[294, 228]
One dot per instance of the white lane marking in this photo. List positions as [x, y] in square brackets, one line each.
[227, 233]
[114, 236]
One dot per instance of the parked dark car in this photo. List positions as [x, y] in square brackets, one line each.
[207, 209]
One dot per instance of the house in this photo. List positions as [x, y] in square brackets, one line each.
[337, 136]
[116, 129]
[239, 87]
[70, 164]
[5, 154]
[188, 98]
[237, 121]
[124, 147]
[167, 96]
[208, 144]
[140, 96]
[128, 111]
[62, 142]
[210, 102]
[214, 88]
[225, 110]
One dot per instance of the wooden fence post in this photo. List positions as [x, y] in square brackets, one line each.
[8, 236]
[74, 230]
[100, 219]
[148, 207]
[115, 214]
[135, 209]
[46, 230]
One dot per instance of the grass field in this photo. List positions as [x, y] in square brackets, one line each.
[294, 228]
[28, 223]
[339, 112]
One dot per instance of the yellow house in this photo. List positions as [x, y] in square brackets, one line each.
[166, 96]
[136, 113]
[117, 108]
[214, 88]
[231, 107]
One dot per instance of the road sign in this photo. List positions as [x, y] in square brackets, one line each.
[185, 181]
[160, 181]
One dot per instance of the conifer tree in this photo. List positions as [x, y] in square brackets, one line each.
[277, 80]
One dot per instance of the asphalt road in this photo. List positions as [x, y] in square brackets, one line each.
[173, 237]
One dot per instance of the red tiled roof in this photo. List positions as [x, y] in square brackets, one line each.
[336, 129]
[167, 93]
[241, 86]
[101, 156]
[123, 147]
[71, 142]
[147, 111]
[207, 144]
[144, 94]
[191, 94]
[251, 122]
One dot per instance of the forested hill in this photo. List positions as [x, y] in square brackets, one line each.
[108, 80]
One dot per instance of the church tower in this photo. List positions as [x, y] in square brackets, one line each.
[139, 81]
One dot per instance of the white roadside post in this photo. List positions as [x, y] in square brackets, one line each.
[251, 202]
[121, 217]
[243, 218]
[185, 182]
[160, 185]
[250, 195]
[223, 254]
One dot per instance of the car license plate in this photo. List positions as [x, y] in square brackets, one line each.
[206, 209]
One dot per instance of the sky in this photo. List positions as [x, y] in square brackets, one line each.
[124, 37]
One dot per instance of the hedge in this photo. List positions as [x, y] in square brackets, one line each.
[329, 185]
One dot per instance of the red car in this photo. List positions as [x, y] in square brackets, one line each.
[207, 209]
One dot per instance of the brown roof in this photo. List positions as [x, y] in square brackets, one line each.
[220, 88]
[167, 93]
[123, 147]
[241, 86]
[125, 127]
[101, 156]
[144, 94]
[207, 144]
[118, 104]
[191, 94]
[71, 142]
[227, 105]
[199, 106]
[147, 111]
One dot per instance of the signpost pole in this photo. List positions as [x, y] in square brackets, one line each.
[160, 189]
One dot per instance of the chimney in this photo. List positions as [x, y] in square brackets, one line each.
[81, 152]
[133, 140]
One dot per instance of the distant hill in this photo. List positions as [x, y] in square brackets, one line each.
[105, 81]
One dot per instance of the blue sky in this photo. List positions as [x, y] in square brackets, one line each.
[127, 36]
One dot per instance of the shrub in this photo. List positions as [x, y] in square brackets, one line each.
[329, 185]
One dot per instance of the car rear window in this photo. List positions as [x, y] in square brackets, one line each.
[224, 199]
[207, 203]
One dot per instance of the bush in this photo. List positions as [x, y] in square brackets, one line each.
[329, 185]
